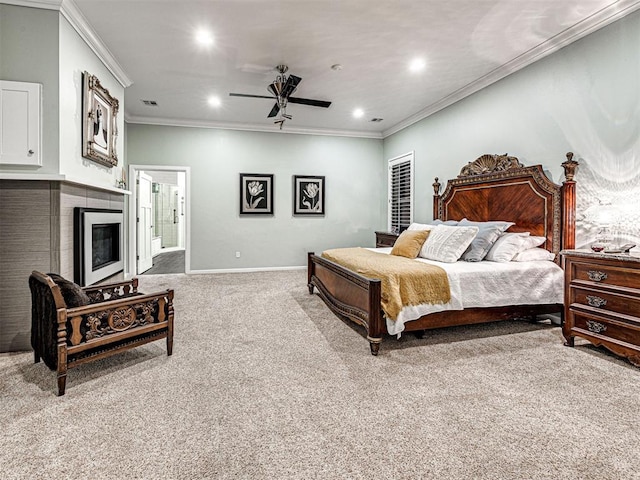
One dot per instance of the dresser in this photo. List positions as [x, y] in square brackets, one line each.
[602, 300]
[385, 239]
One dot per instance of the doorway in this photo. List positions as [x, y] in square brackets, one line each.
[159, 219]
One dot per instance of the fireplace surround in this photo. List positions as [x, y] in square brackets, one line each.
[98, 244]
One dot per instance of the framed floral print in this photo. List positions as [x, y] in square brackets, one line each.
[308, 195]
[256, 194]
[99, 127]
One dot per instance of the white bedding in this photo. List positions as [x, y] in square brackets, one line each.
[489, 284]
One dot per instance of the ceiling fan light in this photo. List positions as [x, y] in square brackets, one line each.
[275, 88]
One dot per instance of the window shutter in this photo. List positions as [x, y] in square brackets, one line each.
[400, 192]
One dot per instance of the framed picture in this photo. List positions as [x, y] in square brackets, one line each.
[308, 195]
[256, 194]
[99, 127]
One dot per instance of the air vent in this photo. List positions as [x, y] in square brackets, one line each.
[377, 119]
[150, 103]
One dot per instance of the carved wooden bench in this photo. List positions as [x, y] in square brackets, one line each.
[72, 325]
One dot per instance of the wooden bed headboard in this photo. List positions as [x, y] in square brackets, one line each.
[499, 187]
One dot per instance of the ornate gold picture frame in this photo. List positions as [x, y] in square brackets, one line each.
[99, 127]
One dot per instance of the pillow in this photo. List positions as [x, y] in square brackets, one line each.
[446, 243]
[437, 221]
[532, 242]
[420, 226]
[488, 233]
[73, 295]
[409, 243]
[506, 247]
[431, 224]
[534, 255]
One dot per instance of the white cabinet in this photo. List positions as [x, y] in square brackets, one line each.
[20, 123]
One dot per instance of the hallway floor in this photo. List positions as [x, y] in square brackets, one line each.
[168, 262]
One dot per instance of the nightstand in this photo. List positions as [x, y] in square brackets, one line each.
[385, 239]
[602, 300]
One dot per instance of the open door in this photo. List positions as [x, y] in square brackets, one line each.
[144, 216]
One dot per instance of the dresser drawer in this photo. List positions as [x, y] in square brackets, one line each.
[607, 328]
[628, 304]
[605, 274]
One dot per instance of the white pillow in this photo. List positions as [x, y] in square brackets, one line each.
[420, 226]
[534, 255]
[488, 233]
[447, 243]
[532, 242]
[506, 247]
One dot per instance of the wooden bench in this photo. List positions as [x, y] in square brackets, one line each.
[110, 318]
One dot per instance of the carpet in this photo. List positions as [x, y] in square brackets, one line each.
[266, 383]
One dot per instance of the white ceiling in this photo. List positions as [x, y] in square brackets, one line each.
[466, 44]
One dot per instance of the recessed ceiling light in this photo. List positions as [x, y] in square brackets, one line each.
[214, 101]
[417, 65]
[358, 113]
[204, 37]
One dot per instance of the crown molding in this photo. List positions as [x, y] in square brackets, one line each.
[44, 4]
[250, 127]
[598, 20]
[78, 21]
[70, 11]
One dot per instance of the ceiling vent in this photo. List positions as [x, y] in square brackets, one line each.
[150, 103]
[377, 120]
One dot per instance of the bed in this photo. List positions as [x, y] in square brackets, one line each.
[492, 187]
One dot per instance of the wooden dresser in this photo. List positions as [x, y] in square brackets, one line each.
[602, 300]
[385, 239]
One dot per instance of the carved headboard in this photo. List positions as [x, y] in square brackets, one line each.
[499, 187]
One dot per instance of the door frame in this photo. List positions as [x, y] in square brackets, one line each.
[133, 231]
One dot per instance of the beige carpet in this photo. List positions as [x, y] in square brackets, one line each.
[266, 383]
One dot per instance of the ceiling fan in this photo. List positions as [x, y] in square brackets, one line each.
[281, 89]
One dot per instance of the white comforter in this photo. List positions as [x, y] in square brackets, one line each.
[489, 284]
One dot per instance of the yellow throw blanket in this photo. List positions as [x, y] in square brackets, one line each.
[404, 281]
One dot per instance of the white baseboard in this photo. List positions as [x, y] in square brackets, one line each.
[244, 270]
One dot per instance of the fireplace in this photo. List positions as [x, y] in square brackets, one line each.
[98, 244]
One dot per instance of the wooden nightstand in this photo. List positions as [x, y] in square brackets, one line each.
[602, 300]
[385, 239]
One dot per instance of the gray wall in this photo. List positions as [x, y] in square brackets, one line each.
[584, 98]
[355, 191]
[29, 53]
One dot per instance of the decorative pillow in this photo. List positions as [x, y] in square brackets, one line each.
[488, 233]
[409, 243]
[451, 223]
[420, 226]
[534, 255]
[73, 295]
[431, 224]
[532, 242]
[506, 247]
[446, 243]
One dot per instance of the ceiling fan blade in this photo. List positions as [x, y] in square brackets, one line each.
[308, 101]
[274, 111]
[290, 85]
[249, 96]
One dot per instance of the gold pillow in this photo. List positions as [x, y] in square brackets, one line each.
[409, 243]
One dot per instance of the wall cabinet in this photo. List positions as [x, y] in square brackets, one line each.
[20, 123]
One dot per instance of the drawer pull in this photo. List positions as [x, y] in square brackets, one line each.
[596, 327]
[596, 275]
[595, 301]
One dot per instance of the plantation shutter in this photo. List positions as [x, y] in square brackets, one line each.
[400, 193]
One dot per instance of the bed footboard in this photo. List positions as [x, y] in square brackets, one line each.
[348, 295]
